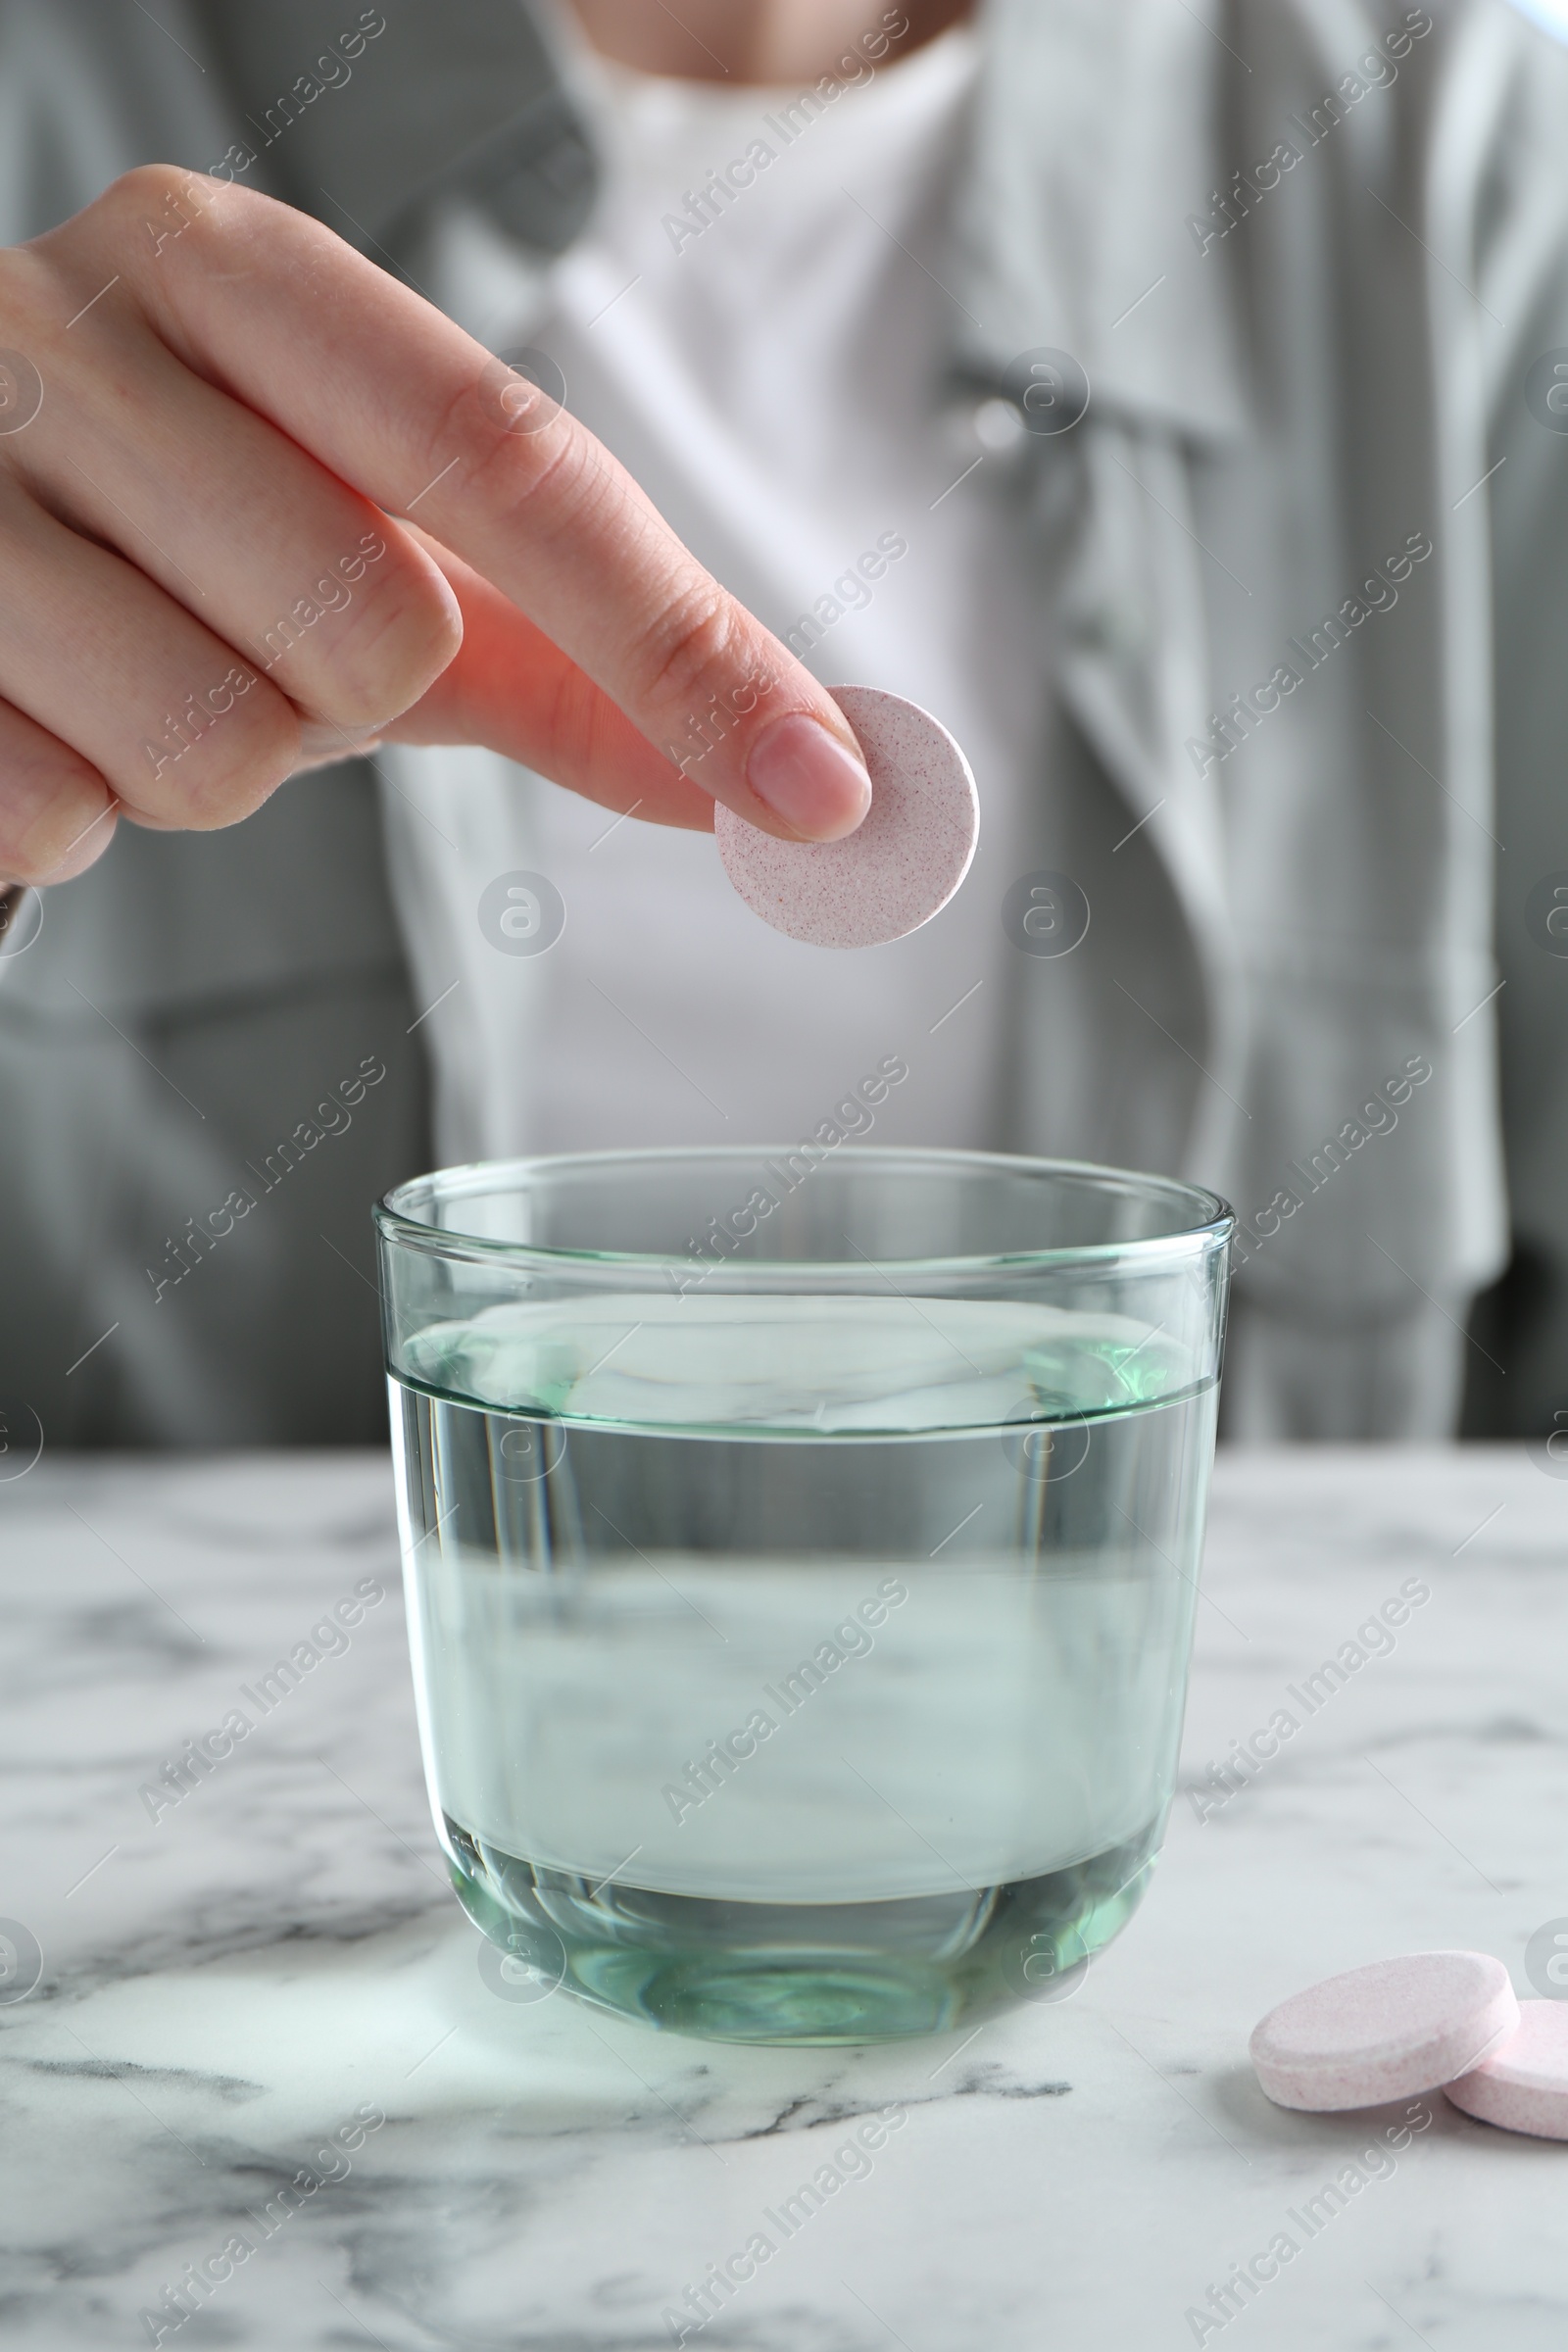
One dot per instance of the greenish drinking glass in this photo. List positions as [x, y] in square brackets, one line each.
[802, 1550]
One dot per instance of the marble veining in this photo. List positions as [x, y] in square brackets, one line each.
[261, 2017]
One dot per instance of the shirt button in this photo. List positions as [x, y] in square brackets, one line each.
[999, 425]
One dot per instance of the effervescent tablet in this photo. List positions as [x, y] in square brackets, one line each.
[1388, 2032]
[1523, 2086]
[900, 865]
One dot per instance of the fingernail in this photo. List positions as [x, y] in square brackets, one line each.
[805, 776]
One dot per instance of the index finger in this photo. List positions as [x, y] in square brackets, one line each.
[398, 401]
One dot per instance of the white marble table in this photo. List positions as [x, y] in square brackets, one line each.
[227, 1985]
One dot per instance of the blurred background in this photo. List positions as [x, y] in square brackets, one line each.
[1173, 399]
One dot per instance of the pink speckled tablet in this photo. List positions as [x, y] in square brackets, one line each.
[1524, 2085]
[1386, 2031]
[904, 862]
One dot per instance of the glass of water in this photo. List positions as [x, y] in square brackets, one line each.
[802, 1550]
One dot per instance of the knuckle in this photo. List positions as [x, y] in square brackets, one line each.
[157, 191]
[394, 644]
[148, 208]
[48, 805]
[142, 185]
[222, 773]
[361, 645]
[113, 221]
[690, 638]
[510, 467]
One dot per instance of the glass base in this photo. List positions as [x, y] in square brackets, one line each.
[812, 1974]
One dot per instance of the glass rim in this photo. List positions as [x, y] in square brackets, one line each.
[1213, 1217]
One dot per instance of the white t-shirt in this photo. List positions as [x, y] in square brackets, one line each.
[774, 379]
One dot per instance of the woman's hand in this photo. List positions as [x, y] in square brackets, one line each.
[213, 418]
